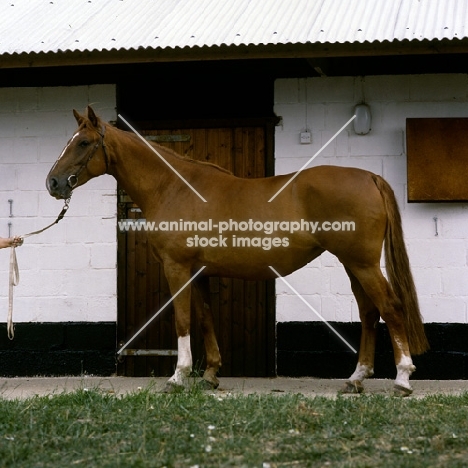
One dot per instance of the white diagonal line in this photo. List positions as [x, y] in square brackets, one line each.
[156, 152]
[312, 158]
[312, 309]
[161, 309]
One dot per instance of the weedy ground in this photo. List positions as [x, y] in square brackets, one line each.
[199, 429]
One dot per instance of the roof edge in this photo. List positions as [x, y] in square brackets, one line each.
[225, 52]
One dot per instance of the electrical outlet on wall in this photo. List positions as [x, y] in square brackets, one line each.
[306, 138]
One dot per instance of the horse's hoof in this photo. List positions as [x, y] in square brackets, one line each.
[210, 380]
[400, 391]
[204, 384]
[354, 387]
[172, 387]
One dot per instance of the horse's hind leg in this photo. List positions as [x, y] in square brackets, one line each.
[201, 301]
[369, 315]
[389, 306]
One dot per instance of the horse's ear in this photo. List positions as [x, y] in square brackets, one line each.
[92, 117]
[79, 118]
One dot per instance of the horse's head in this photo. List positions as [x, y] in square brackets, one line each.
[84, 157]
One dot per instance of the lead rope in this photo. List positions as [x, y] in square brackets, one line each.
[14, 270]
[14, 280]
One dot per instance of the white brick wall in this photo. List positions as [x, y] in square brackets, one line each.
[439, 263]
[67, 273]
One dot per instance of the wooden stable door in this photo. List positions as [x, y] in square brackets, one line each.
[243, 310]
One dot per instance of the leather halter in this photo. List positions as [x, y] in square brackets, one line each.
[72, 180]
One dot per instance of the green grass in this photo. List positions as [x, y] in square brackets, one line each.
[146, 429]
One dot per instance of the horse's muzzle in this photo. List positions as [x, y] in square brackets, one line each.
[58, 187]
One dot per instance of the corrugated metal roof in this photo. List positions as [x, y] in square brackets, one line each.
[37, 26]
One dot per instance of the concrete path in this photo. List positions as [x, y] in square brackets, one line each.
[26, 387]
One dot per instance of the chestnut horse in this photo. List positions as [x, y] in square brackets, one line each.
[163, 184]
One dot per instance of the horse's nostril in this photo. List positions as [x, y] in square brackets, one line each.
[53, 183]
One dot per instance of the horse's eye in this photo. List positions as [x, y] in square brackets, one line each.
[84, 143]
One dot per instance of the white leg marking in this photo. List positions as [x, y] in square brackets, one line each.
[184, 361]
[404, 369]
[361, 373]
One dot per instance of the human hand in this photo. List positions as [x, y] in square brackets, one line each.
[16, 241]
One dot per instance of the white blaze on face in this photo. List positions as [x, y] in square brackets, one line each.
[184, 361]
[68, 144]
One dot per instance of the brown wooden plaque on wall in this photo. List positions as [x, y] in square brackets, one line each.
[437, 159]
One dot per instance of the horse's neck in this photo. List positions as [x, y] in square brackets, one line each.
[139, 170]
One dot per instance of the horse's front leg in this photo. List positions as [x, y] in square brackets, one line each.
[177, 276]
[201, 301]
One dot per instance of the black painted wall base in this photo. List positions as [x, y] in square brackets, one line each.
[58, 349]
[303, 349]
[311, 349]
